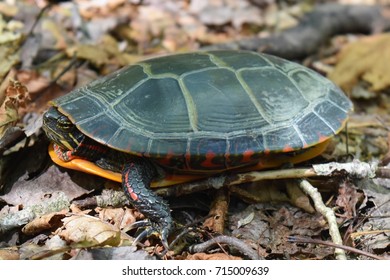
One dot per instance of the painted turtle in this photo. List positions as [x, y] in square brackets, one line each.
[195, 113]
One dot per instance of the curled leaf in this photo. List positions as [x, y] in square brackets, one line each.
[16, 95]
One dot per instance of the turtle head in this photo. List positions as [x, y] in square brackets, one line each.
[61, 130]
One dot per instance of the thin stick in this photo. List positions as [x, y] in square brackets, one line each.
[356, 169]
[328, 214]
[326, 243]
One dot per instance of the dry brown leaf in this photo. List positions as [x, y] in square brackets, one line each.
[91, 9]
[16, 95]
[219, 12]
[45, 222]
[218, 212]
[88, 231]
[217, 256]
[97, 55]
[118, 217]
[8, 9]
[366, 59]
[9, 254]
[32, 80]
[349, 200]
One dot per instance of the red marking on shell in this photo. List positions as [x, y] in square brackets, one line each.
[267, 151]
[322, 138]
[287, 149]
[208, 162]
[246, 155]
[167, 160]
[188, 159]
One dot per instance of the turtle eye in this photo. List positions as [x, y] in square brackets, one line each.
[64, 123]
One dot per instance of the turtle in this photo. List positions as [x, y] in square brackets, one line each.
[193, 115]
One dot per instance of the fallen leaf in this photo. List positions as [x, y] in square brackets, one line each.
[246, 220]
[32, 80]
[47, 187]
[88, 231]
[216, 256]
[45, 222]
[365, 59]
[220, 12]
[94, 54]
[349, 200]
[271, 225]
[52, 249]
[9, 254]
[8, 9]
[16, 95]
[114, 253]
[118, 217]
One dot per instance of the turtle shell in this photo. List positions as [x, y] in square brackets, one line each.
[209, 110]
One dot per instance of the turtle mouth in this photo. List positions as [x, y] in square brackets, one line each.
[51, 134]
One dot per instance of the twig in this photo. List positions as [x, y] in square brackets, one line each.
[327, 213]
[231, 241]
[356, 169]
[354, 234]
[34, 25]
[361, 233]
[331, 244]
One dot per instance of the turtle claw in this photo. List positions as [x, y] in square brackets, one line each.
[164, 238]
[150, 230]
[139, 224]
[141, 236]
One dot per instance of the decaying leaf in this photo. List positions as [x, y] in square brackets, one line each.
[366, 59]
[246, 220]
[118, 217]
[271, 226]
[95, 54]
[9, 254]
[217, 256]
[114, 253]
[9, 47]
[105, 52]
[45, 222]
[349, 200]
[8, 9]
[16, 95]
[220, 12]
[88, 231]
[32, 80]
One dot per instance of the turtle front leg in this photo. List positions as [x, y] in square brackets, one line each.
[136, 178]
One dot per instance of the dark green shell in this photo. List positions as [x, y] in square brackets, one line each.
[219, 103]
